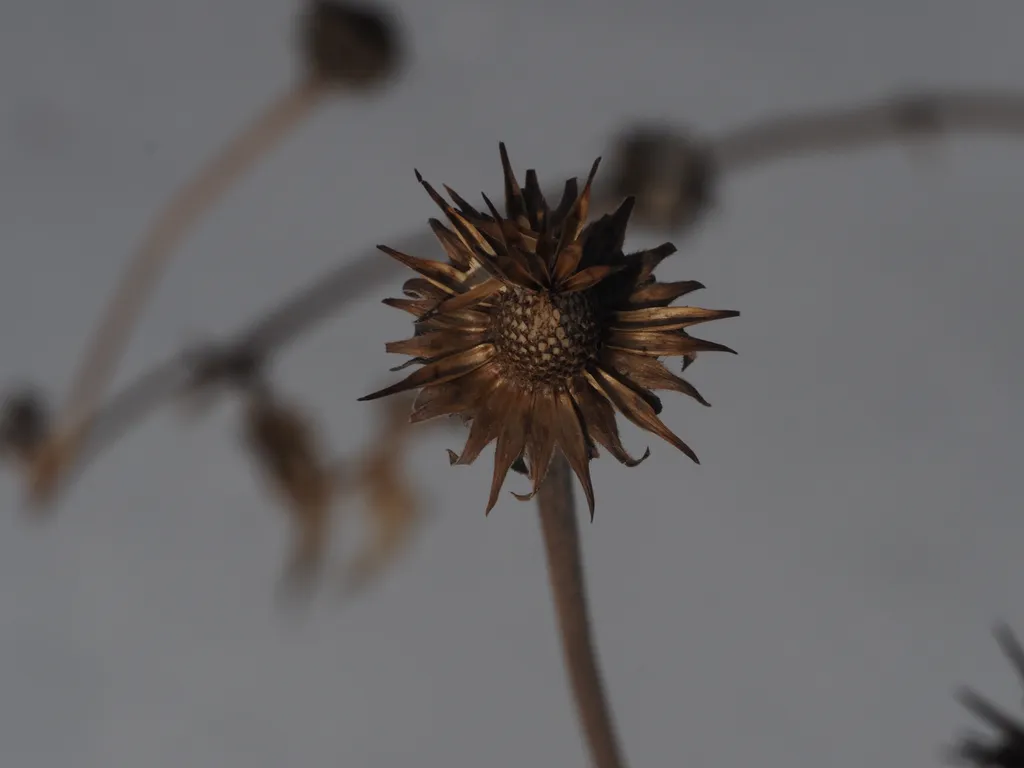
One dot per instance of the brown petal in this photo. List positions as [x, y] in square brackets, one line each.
[464, 207]
[511, 441]
[668, 318]
[607, 234]
[437, 343]
[416, 307]
[515, 204]
[650, 259]
[662, 344]
[462, 320]
[586, 278]
[573, 442]
[440, 274]
[486, 424]
[569, 196]
[540, 441]
[599, 420]
[445, 369]
[651, 373]
[420, 288]
[634, 406]
[456, 396]
[566, 262]
[536, 205]
[661, 294]
[470, 237]
[457, 251]
[473, 296]
[577, 215]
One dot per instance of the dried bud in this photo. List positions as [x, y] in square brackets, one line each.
[349, 45]
[671, 175]
[24, 423]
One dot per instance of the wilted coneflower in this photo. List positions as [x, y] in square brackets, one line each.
[540, 327]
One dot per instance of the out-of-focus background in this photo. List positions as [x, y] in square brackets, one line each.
[809, 595]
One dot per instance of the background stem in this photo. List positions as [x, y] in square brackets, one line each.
[565, 570]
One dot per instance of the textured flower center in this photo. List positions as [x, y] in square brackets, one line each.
[545, 338]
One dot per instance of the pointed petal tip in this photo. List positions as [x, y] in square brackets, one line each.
[453, 457]
[419, 176]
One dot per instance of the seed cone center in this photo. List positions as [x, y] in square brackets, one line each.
[545, 338]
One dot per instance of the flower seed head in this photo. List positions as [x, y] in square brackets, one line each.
[349, 45]
[544, 339]
[539, 328]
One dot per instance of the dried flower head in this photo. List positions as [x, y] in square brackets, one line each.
[671, 173]
[348, 45]
[539, 327]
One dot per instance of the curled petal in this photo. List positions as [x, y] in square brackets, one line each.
[453, 397]
[442, 275]
[515, 204]
[435, 343]
[473, 296]
[439, 371]
[651, 373]
[599, 418]
[415, 307]
[662, 294]
[662, 343]
[634, 406]
[540, 442]
[457, 251]
[511, 441]
[572, 439]
[586, 278]
[668, 318]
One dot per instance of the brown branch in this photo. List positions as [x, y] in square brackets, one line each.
[141, 274]
[568, 589]
[906, 116]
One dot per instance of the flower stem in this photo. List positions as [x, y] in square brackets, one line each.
[172, 223]
[568, 588]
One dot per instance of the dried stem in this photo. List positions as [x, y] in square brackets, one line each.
[159, 242]
[568, 588]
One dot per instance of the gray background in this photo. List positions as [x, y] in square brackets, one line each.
[808, 596]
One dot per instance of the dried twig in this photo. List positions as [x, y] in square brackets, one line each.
[342, 47]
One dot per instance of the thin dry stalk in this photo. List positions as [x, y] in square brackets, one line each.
[171, 224]
[568, 588]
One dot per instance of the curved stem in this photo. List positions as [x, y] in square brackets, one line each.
[158, 244]
[568, 588]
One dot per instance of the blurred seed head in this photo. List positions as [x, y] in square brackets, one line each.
[671, 175]
[24, 423]
[349, 45]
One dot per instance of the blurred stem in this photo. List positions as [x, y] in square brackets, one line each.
[171, 224]
[568, 588]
